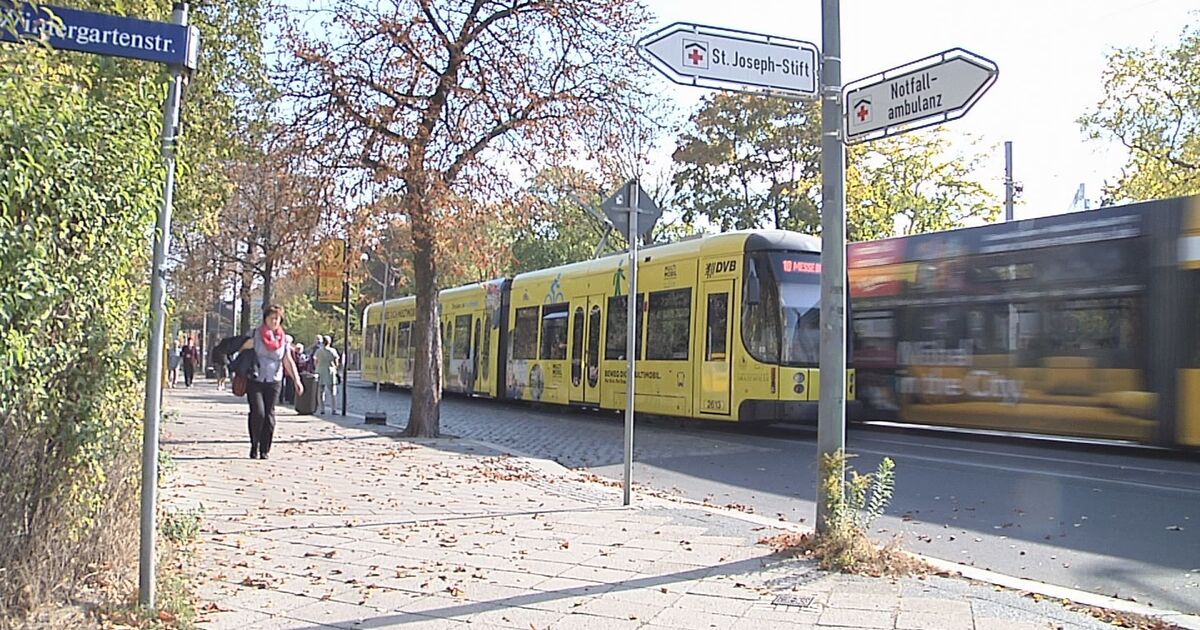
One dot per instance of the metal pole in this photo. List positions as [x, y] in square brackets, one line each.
[831, 411]
[387, 269]
[631, 337]
[346, 327]
[154, 353]
[1008, 182]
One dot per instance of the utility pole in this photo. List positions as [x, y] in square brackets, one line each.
[831, 410]
[1008, 181]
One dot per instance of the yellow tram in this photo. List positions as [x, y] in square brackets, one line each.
[1084, 324]
[727, 330]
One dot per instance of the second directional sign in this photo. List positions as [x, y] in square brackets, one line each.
[927, 92]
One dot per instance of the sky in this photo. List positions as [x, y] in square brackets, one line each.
[1051, 56]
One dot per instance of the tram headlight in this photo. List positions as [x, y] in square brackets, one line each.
[798, 378]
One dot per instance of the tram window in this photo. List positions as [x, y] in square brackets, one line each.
[525, 333]
[405, 339]
[462, 337]
[477, 339]
[485, 353]
[1093, 325]
[760, 313]
[593, 346]
[369, 342]
[1195, 358]
[987, 328]
[669, 325]
[716, 329]
[801, 307]
[577, 347]
[615, 342]
[554, 331]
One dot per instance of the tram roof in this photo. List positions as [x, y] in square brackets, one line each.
[726, 243]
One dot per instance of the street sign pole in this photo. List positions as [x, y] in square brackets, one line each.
[382, 363]
[346, 322]
[831, 410]
[1008, 182]
[631, 335]
[154, 358]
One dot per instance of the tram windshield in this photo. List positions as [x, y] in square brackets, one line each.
[782, 308]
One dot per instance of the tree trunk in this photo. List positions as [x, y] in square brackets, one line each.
[244, 323]
[424, 414]
[268, 286]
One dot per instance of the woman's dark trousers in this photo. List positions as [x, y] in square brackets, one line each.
[189, 372]
[262, 398]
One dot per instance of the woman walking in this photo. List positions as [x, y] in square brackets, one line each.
[271, 345]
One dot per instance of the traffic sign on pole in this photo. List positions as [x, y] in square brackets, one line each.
[926, 92]
[617, 206]
[721, 58]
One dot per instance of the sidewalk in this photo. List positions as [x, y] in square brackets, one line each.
[350, 526]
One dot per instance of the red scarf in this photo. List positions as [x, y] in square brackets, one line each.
[272, 339]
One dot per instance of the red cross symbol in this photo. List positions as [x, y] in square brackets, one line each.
[863, 112]
[695, 56]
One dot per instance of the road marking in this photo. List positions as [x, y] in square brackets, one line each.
[1055, 460]
[1118, 482]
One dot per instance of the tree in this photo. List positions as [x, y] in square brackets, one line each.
[912, 184]
[1151, 105]
[441, 102]
[747, 161]
[270, 221]
[750, 161]
[557, 229]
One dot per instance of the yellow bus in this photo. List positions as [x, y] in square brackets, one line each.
[727, 330]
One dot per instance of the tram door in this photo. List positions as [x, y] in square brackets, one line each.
[716, 351]
[586, 319]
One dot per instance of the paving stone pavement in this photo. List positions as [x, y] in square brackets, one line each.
[354, 526]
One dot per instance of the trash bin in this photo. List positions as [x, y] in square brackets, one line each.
[307, 403]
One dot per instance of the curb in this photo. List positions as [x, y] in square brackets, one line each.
[1050, 591]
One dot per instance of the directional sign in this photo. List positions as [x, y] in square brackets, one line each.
[706, 56]
[616, 208]
[102, 34]
[926, 92]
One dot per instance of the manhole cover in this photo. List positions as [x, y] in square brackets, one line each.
[793, 600]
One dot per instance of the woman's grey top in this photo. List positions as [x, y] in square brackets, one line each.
[270, 363]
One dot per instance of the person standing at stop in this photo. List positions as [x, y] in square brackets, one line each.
[327, 365]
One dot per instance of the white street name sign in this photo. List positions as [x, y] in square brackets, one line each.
[926, 92]
[706, 56]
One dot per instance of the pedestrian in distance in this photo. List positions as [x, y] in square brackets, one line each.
[221, 370]
[190, 354]
[327, 360]
[173, 360]
[271, 345]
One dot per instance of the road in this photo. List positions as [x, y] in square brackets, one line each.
[1119, 522]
